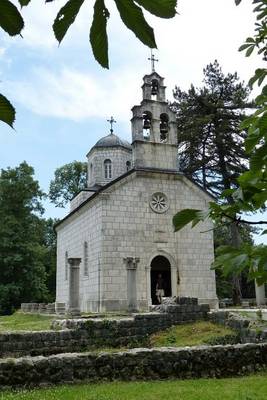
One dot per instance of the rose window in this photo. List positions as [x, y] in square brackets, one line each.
[159, 203]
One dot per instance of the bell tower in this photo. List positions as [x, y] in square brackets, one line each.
[154, 128]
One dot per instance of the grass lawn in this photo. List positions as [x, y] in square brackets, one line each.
[24, 322]
[189, 334]
[253, 387]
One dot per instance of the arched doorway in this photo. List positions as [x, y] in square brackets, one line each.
[160, 265]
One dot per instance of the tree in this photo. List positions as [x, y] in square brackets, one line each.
[69, 180]
[212, 145]
[48, 240]
[251, 195]
[22, 273]
[212, 150]
[11, 21]
[224, 281]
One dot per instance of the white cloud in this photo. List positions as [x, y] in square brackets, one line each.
[2, 51]
[202, 32]
[74, 95]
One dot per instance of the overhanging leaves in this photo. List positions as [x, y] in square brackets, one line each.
[98, 33]
[24, 2]
[184, 217]
[65, 17]
[10, 19]
[7, 111]
[133, 17]
[160, 8]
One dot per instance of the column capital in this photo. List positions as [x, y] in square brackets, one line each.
[131, 262]
[74, 262]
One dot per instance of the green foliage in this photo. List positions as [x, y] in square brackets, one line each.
[22, 273]
[98, 33]
[7, 111]
[185, 216]
[69, 180]
[48, 241]
[24, 2]
[11, 21]
[251, 195]
[211, 145]
[133, 17]
[65, 18]
[224, 282]
[160, 8]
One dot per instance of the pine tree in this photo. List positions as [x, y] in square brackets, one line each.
[211, 145]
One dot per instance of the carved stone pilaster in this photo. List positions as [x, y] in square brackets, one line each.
[74, 286]
[131, 266]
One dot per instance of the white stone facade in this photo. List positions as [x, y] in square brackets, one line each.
[120, 223]
[120, 158]
[122, 229]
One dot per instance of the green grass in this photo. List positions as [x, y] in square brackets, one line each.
[24, 322]
[253, 387]
[189, 334]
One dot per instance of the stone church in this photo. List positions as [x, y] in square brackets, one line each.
[120, 227]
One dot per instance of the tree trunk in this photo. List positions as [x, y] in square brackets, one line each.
[236, 242]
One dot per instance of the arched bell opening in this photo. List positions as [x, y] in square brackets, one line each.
[160, 269]
[154, 89]
[147, 118]
[164, 127]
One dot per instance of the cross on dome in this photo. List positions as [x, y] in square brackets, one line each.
[111, 121]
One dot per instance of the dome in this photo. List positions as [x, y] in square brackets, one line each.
[112, 140]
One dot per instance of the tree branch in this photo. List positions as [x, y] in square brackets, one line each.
[243, 221]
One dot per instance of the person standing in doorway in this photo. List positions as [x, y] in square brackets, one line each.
[160, 288]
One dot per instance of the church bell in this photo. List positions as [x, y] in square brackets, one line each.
[146, 124]
[163, 127]
[154, 87]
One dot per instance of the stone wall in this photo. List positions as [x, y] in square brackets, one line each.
[249, 331]
[83, 334]
[145, 364]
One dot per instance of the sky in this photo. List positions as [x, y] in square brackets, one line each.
[63, 98]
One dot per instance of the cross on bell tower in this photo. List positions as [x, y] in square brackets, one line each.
[111, 121]
[153, 60]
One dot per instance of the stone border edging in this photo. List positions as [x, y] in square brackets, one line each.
[145, 364]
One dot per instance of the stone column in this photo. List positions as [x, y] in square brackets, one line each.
[174, 281]
[260, 294]
[131, 266]
[148, 286]
[74, 286]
